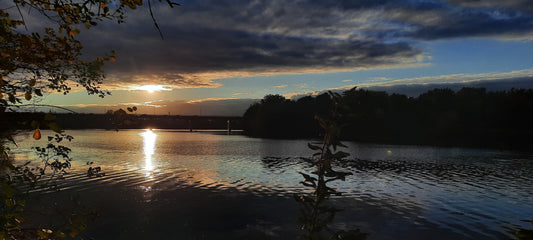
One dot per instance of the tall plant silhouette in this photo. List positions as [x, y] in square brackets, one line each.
[317, 213]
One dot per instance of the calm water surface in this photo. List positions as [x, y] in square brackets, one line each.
[395, 192]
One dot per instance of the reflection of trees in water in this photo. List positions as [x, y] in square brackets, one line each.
[464, 171]
[281, 164]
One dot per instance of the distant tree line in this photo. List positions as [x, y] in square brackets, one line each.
[469, 117]
[118, 119]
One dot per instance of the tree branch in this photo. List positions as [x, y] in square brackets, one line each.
[21, 16]
[153, 19]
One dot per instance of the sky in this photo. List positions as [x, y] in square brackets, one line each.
[219, 56]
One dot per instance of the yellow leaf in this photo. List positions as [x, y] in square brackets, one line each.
[102, 6]
[5, 54]
[73, 233]
[32, 82]
[72, 33]
[113, 59]
[37, 134]
[27, 96]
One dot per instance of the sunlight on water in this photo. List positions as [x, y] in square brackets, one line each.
[465, 193]
[149, 148]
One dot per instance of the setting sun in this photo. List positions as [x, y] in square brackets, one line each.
[152, 88]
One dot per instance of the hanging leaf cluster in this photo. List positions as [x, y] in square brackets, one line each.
[49, 59]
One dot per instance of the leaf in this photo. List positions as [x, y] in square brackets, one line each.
[313, 147]
[340, 155]
[10, 138]
[316, 154]
[37, 134]
[340, 144]
[12, 98]
[38, 92]
[32, 82]
[307, 177]
[27, 95]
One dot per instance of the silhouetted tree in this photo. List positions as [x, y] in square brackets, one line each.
[469, 117]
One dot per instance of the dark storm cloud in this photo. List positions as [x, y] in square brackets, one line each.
[503, 22]
[522, 5]
[201, 49]
[210, 39]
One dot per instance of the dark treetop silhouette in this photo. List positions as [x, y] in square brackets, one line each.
[470, 117]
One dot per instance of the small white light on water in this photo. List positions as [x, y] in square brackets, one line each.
[148, 148]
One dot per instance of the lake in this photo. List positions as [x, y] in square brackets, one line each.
[170, 184]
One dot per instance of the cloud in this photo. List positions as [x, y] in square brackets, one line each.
[209, 40]
[242, 93]
[205, 107]
[298, 95]
[281, 86]
[415, 86]
[435, 20]
[523, 5]
[458, 78]
[301, 85]
[415, 90]
[214, 39]
[409, 86]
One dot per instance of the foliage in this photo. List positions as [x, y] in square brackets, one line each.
[317, 214]
[17, 181]
[469, 117]
[32, 63]
[277, 117]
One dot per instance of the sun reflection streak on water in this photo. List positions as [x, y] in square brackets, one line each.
[149, 138]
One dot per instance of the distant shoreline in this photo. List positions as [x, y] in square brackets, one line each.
[22, 120]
